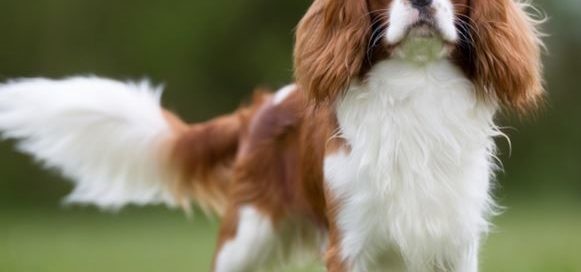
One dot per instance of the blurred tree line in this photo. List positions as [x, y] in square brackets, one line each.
[211, 54]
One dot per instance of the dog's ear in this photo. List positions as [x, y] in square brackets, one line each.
[507, 53]
[331, 44]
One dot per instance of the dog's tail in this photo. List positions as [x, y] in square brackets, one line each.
[118, 144]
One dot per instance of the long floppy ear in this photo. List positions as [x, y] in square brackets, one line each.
[507, 53]
[331, 44]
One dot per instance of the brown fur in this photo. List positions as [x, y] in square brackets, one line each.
[507, 54]
[278, 168]
[331, 44]
[203, 156]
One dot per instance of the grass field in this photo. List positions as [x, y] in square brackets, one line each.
[542, 239]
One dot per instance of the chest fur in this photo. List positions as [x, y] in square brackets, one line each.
[417, 173]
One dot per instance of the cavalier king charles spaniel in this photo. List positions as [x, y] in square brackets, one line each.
[380, 158]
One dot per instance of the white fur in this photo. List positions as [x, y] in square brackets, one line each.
[415, 185]
[444, 17]
[259, 246]
[403, 15]
[283, 93]
[251, 247]
[105, 135]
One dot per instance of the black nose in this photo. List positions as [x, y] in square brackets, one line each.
[421, 3]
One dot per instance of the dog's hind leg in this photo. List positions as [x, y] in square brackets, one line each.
[246, 241]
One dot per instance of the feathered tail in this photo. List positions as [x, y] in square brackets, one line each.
[118, 145]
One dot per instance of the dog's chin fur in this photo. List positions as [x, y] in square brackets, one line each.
[421, 50]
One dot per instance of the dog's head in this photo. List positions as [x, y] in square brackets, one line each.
[495, 42]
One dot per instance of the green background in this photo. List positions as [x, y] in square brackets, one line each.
[210, 55]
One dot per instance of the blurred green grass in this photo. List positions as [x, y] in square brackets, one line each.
[540, 238]
[81, 240]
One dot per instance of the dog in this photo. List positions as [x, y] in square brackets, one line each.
[380, 157]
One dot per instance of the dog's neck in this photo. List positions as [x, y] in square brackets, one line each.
[420, 143]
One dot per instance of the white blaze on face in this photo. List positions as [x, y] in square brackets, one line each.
[403, 16]
[445, 20]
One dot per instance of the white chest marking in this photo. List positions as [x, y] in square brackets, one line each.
[415, 187]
